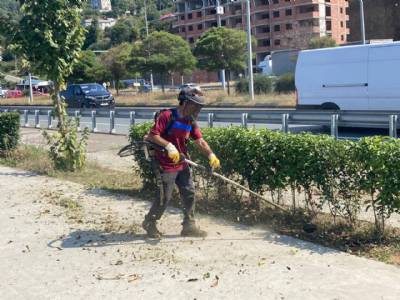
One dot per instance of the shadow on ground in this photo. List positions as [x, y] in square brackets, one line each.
[96, 239]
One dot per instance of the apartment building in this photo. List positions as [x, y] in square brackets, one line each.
[275, 24]
[101, 5]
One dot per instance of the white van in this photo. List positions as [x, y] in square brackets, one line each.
[363, 77]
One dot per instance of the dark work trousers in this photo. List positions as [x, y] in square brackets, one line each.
[184, 180]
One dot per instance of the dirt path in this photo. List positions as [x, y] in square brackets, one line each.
[101, 148]
[53, 248]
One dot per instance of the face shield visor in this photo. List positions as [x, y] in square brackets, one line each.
[191, 110]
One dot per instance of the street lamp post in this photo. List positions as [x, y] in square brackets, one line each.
[362, 21]
[220, 11]
[249, 50]
[147, 35]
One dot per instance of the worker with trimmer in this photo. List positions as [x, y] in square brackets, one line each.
[172, 130]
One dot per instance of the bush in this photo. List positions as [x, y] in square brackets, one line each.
[285, 84]
[321, 42]
[342, 173]
[9, 131]
[262, 85]
[66, 149]
[144, 169]
[242, 86]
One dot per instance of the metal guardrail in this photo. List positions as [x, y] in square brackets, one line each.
[332, 119]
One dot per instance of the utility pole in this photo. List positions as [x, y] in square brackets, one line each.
[362, 21]
[249, 50]
[147, 35]
[30, 88]
[220, 11]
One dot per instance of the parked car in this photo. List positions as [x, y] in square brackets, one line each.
[14, 94]
[88, 95]
[145, 88]
[362, 77]
[190, 85]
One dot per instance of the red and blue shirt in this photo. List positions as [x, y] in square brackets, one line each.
[179, 132]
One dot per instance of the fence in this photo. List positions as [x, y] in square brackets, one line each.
[284, 118]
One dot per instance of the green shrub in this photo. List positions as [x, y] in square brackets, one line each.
[341, 173]
[9, 131]
[66, 149]
[242, 86]
[379, 158]
[144, 169]
[321, 42]
[285, 84]
[262, 85]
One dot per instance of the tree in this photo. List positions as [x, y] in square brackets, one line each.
[86, 69]
[222, 48]
[50, 36]
[116, 61]
[93, 34]
[123, 31]
[121, 6]
[9, 16]
[321, 42]
[163, 53]
[9, 7]
[103, 44]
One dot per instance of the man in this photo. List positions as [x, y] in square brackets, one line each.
[172, 130]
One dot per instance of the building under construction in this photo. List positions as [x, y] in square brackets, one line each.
[275, 24]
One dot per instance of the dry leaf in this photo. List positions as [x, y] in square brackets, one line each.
[133, 277]
[215, 282]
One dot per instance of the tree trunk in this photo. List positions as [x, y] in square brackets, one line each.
[228, 75]
[59, 108]
[163, 82]
[377, 227]
[293, 197]
[117, 86]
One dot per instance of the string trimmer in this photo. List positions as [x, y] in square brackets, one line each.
[129, 150]
[145, 145]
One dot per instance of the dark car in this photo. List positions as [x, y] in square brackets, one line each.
[145, 88]
[90, 95]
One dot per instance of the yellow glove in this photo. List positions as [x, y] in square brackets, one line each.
[214, 161]
[173, 153]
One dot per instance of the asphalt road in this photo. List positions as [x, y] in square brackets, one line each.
[122, 124]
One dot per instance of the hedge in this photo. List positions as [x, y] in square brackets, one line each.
[9, 131]
[343, 176]
[285, 84]
[267, 84]
[262, 85]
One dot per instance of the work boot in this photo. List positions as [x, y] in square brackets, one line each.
[190, 229]
[150, 227]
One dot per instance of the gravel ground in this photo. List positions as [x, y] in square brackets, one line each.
[59, 240]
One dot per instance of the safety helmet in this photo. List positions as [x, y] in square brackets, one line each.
[191, 94]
